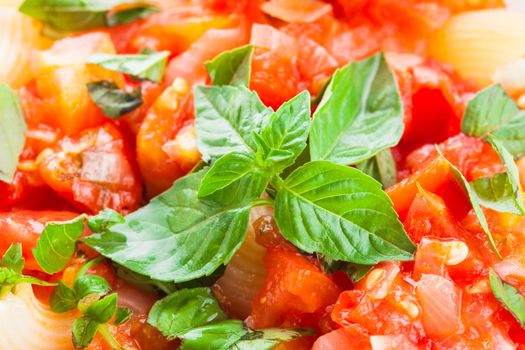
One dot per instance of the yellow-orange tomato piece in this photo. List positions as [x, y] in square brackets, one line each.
[166, 143]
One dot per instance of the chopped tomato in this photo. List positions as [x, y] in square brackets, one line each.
[93, 170]
[342, 339]
[302, 11]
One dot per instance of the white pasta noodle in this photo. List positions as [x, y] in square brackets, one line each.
[245, 273]
[477, 43]
[26, 323]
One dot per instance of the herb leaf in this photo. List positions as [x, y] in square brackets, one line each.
[123, 315]
[381, 167]
[284, 137]
[354, 271]
[112, 101]
[63, 298]
[146, 66]
[231, 67]
[91, 284]
[327, 208]
[104, 220]
[193, 308]
[56, 244]
[176, 237]
[508, 296]
[130, 14]
[13, 259]
[84, 330]
[360, 114]
[12, 132]
[103, 309]
[493, 111]
[226, 118]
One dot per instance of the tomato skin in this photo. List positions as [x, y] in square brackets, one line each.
[25, 227]
[342, 339]
[93, 170]
[295, 292]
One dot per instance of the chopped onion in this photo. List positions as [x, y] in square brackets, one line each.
[297, 11]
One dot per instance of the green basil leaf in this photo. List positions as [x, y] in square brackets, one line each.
[84, 330]
[226, 118]
[508, 296]
[231, 67]
[501, 192]
[13, 259]
[144, 282]
[91, 284]
[131, 14]
[12, 132]
[63, 299]
[381, 167]
[232, 168]
[234, 335]
[149, 67]
[474, 201]
[57, 243]
[36, 281]
[111, 100]
[176, 237]
[123, 315]
[361, 113]
[354, 271]
[284, 137]
[8, 277]
[341, 213]
[184, 310]
[103, 309]
[104, 220]
[493, 111]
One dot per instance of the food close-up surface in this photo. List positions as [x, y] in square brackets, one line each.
[262, 174]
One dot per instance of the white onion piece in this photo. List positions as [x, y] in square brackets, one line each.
[26, 323]
[391, 342]
[245, 274]
[511, 77]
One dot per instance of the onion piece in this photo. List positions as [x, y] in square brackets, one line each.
[26, 323]
[297, 11]
[391, 342]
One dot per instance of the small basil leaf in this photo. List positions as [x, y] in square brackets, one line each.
[102, 310]
[361, 113]
[269, 338]
[493, 111]
[129, 15]
[231, 67]
[84, 330]
[112, 101]
[123, 315]
[56, 244]
[226, 117]
[8, 277]
[354, 271]
[508, 296]
[12, 132]
[284, 137]
[381, 167]
[148, 67]
[63, 299]
[33, 280]
[91, 284]
[176, 237]
[184, 310]
[104, 220]
[341, 213]
[13, 259]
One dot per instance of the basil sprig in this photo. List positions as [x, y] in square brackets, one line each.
[12, 132]
[113, 101]
[508, 296]
[231, 67]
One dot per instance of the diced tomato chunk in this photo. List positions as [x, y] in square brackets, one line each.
[342, 339]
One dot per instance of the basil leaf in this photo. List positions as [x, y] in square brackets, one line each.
[176, 237]
[354, 271]
[91, 284]
[123, 315]
[104, 220]
[493, 111]
[284, 137]
[84, 330]
[231, 67]
[184, 310]
[232, 168]
[508, 296]
[341, 213]
[474, 201]
[103, 309]
[13, 259]
[361, 113]
[144, 282]
[112, 101]
[234, 335]
[12, 132]
[501, 192]
[63, 298]
[131, 14]
[226, 118]
[56, 244]
[149, 67]
[8, 278]
[381, 167]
